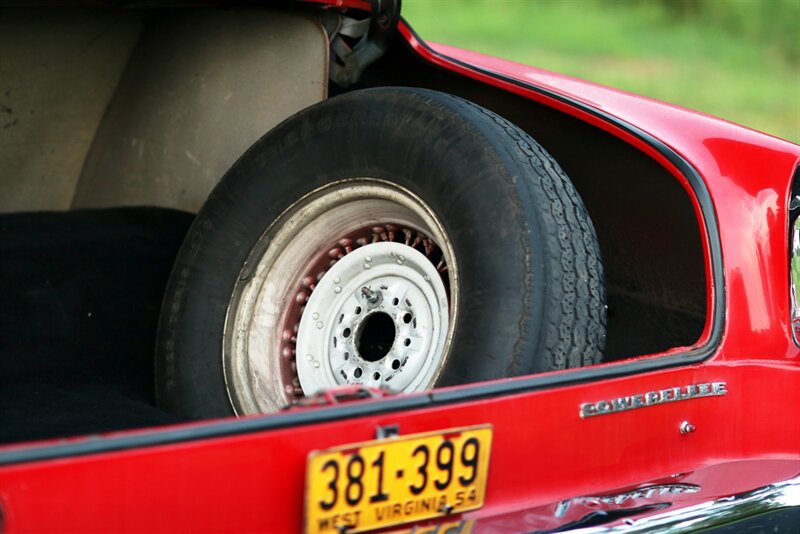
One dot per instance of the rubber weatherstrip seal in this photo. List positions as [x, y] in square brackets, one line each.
[158, 437]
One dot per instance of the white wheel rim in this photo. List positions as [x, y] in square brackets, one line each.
[266, 344]
[405, 288]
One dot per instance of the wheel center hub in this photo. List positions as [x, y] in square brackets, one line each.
[376, 336]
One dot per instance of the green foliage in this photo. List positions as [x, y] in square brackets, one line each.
[737, 59]
[763, 22]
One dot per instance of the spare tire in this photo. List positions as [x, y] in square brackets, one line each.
[394, 237]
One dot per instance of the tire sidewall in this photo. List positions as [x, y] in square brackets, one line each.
[437, 147]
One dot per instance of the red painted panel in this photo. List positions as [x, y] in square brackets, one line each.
[543, 452]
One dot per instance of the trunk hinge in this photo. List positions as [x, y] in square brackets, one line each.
[371, 36]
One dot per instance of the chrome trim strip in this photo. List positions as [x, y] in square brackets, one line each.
[794, 255]
[713, 513]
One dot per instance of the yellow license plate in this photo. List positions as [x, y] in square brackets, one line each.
[376, 484]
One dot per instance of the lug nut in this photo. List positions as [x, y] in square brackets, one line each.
[373, 297]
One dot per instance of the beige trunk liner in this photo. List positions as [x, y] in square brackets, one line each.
[127, 107]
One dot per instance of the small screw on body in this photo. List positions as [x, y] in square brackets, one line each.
[686, 427]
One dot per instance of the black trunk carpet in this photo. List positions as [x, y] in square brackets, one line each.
[80, 294]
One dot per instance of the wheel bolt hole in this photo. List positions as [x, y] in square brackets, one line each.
[406, 342]
[376, 336]
[346, 356]
[395, 364]
[395, 301]
[376, 375]
[358, 310]
[407, 318]
[346, 332]
[357, 373]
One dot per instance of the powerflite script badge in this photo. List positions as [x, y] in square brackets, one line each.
[651, 398]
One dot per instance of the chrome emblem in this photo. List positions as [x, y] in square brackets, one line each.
[647, 492]
[651, 398]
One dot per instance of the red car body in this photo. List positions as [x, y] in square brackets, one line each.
[549, 465]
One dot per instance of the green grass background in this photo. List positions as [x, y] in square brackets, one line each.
[736, 59]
